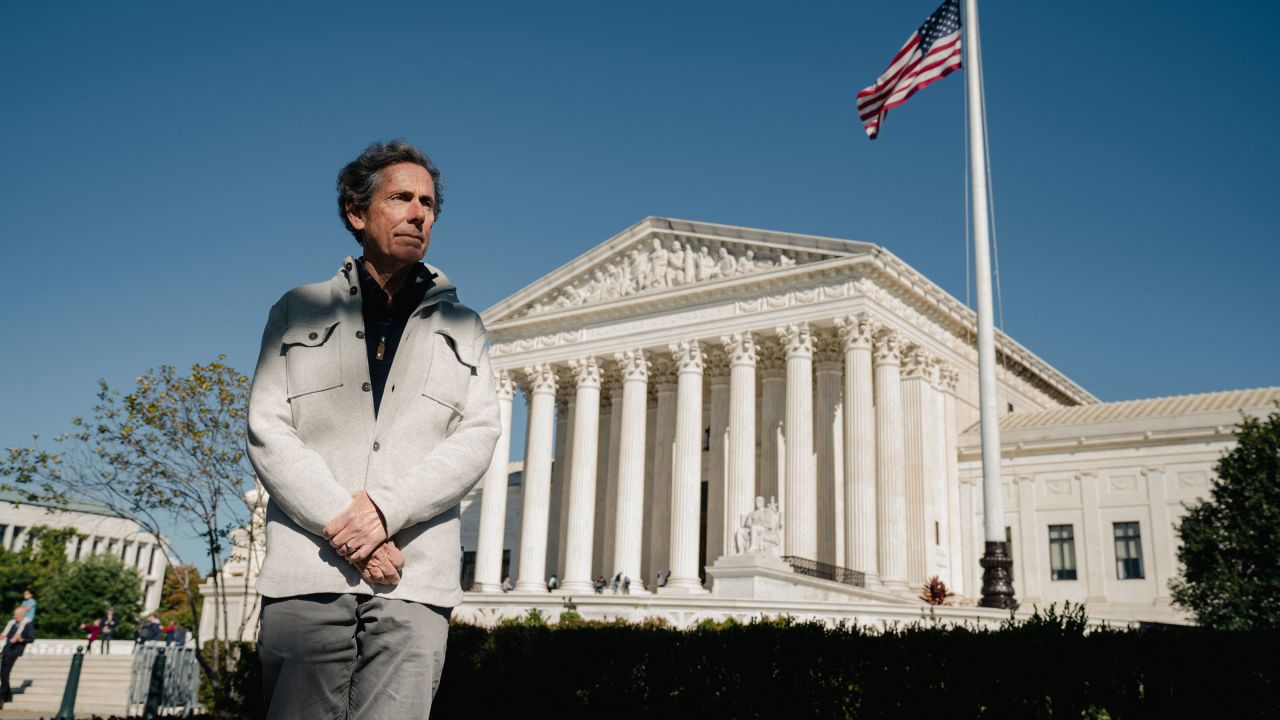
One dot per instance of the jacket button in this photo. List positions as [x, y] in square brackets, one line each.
[376, 446]
[359, 334]
[313, 336]
[366, 387]
[354, 291]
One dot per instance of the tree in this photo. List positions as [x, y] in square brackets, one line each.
[35, 565]
[170, 453]
[1230, 552]
[175, 607]
[84, 590]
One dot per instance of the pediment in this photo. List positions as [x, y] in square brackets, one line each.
[660, 255]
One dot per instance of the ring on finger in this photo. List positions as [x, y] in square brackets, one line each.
[346, 548]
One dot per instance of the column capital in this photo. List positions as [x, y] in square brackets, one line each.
[586, 372]
[948, 377]
[633, 364]
[717, 364]
[504, 384]
[827, 349]
[662, 372]
[888, 347]
[688, 355]
[857, 332]
[797, 339]
[915, 362]
[741, 348]
[773, 358]
[541, 379]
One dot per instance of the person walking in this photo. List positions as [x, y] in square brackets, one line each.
[18, 633]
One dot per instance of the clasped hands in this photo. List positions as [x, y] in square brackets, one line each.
[359, 534]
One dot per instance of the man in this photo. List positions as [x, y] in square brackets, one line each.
[18, 633]
[371, 415]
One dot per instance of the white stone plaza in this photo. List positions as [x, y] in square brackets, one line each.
[680, 371]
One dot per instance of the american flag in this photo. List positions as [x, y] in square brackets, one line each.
[931, 52]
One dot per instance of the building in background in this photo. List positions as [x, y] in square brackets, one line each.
[104, 531]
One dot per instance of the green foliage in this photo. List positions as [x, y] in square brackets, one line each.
[84, 591]
[533, 618]
[167, 452]
[239, 695]
[34, 567]
[1230, 553]
[177, 601]
[1045, 666]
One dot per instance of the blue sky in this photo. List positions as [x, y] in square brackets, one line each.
[169, 167]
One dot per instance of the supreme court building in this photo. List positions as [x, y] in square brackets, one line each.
[680, 370]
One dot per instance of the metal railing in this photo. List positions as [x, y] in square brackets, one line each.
[181, 679]
[825, 571]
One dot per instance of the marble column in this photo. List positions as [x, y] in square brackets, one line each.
[800, 531]
[601, 474]
[772, 406]
[582, 476]
[826, 439]
[560, 475]
[856, 335]
[628, 527]
[740, 493]
[541, 386]
[915, 404]
[948, 377]
[891, 514]
[605, 534]
[663, 445]
[686, 469]
[719, 525]
[939, 488]
[493, 496]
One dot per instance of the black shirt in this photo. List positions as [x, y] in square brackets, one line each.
[385, 320]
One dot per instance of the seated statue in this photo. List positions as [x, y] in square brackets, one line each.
[749, 538]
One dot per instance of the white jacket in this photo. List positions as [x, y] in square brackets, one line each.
[314, 440]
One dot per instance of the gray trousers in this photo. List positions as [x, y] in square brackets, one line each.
[350, 657]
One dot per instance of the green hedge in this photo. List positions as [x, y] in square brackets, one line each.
[1043, 668]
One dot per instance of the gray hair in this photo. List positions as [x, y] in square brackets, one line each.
[359, 180]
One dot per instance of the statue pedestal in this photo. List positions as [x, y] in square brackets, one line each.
[768, 577]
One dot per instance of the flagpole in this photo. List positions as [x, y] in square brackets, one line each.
[997, 584]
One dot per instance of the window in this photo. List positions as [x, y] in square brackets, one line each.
[16, 540]
[1062, 552]
[1128, 551]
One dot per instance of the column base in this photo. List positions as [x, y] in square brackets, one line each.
[683, 586]
[529, 587]
[576, 587]
[486, 587]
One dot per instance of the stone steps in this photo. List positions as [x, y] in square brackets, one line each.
[39, 680]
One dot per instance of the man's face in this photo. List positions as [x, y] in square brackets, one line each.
[396, 227]
[19, 613]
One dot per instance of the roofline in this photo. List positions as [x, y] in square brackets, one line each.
[889, 267]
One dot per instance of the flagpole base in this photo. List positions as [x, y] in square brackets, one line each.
[997, 577]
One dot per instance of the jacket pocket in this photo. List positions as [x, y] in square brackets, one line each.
[312, 359]
[452, 365]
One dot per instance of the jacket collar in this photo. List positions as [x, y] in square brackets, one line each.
[349, 276]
